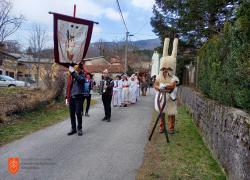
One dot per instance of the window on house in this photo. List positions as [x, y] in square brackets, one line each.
[1, 62]
[1, 72]
[12, 74]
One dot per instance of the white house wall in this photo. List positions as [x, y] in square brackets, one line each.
[155, 64]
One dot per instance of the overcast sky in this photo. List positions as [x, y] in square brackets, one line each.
[137, 15]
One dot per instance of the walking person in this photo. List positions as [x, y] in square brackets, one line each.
[117, 91]
[137, 87]
[119, 88]
[132, 90]
[88, 85]
[144, 85]
[167, 81]
[106, 90]
[75, 98]
[125, 90]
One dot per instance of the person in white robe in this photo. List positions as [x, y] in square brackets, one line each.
[115, 99]
[132, 90]
[119, 91]
[125, 91]
[137, 88]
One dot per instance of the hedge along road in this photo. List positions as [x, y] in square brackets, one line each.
[112, 150]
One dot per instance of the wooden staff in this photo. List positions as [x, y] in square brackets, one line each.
[161, 114]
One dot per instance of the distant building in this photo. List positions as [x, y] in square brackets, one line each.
[97, 65]
[22, 66]
[142, 66]
[96, 61]
[8, 64]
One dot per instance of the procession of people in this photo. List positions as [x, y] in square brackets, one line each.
[122, 91]
[125, 90]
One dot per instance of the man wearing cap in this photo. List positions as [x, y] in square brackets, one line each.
[106, 90]
[74, 98]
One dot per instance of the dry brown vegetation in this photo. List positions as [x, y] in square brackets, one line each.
[15, 100]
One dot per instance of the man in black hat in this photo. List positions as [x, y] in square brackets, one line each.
[106, 90]
[74, 97]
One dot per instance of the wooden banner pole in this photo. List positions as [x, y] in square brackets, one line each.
[74, 10]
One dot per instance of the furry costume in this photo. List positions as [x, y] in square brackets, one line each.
[168, 62]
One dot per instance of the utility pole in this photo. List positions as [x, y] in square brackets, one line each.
[126, 52]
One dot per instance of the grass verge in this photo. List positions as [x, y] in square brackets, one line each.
[16, 90]
[186, 157]
[30, 121]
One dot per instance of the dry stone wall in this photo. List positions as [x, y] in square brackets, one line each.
[225, 130]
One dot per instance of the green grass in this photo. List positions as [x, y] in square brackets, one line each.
[186, 157]
[30, 121]
[15, 90]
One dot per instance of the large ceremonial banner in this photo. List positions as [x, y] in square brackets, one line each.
[71, 39]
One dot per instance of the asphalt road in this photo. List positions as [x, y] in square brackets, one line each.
[106, 151]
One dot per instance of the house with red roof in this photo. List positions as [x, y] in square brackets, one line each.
[97, 65]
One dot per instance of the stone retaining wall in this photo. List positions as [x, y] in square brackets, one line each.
[225, 130]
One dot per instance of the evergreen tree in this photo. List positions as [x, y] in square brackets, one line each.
[193, 20]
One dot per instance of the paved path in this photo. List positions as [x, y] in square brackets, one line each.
[106, 150]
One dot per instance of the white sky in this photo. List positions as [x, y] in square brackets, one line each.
[137, 15]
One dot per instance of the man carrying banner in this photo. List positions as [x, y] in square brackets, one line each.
[72, 37]
[75, 91]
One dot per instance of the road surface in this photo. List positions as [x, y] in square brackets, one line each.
[106, 151]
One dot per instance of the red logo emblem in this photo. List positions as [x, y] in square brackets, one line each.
[13, 165]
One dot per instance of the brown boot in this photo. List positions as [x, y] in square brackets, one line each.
[171, 124]
[161, 130]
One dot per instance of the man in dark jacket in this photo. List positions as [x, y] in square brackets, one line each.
[106, 90]
[88, 85]
[75, 98]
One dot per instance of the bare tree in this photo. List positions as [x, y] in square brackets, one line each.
[101, 46]
[12, 46]
[47, 74]
[8, 23]
[37, 42]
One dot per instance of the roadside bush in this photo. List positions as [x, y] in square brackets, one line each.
[224, 63]
[15, 100]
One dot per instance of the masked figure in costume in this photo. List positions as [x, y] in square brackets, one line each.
[167, 81]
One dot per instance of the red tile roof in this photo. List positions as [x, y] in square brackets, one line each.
[101, 68]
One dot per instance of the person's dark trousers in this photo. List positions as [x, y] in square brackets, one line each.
[75, 110]
[88, 99]
[106, 99]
